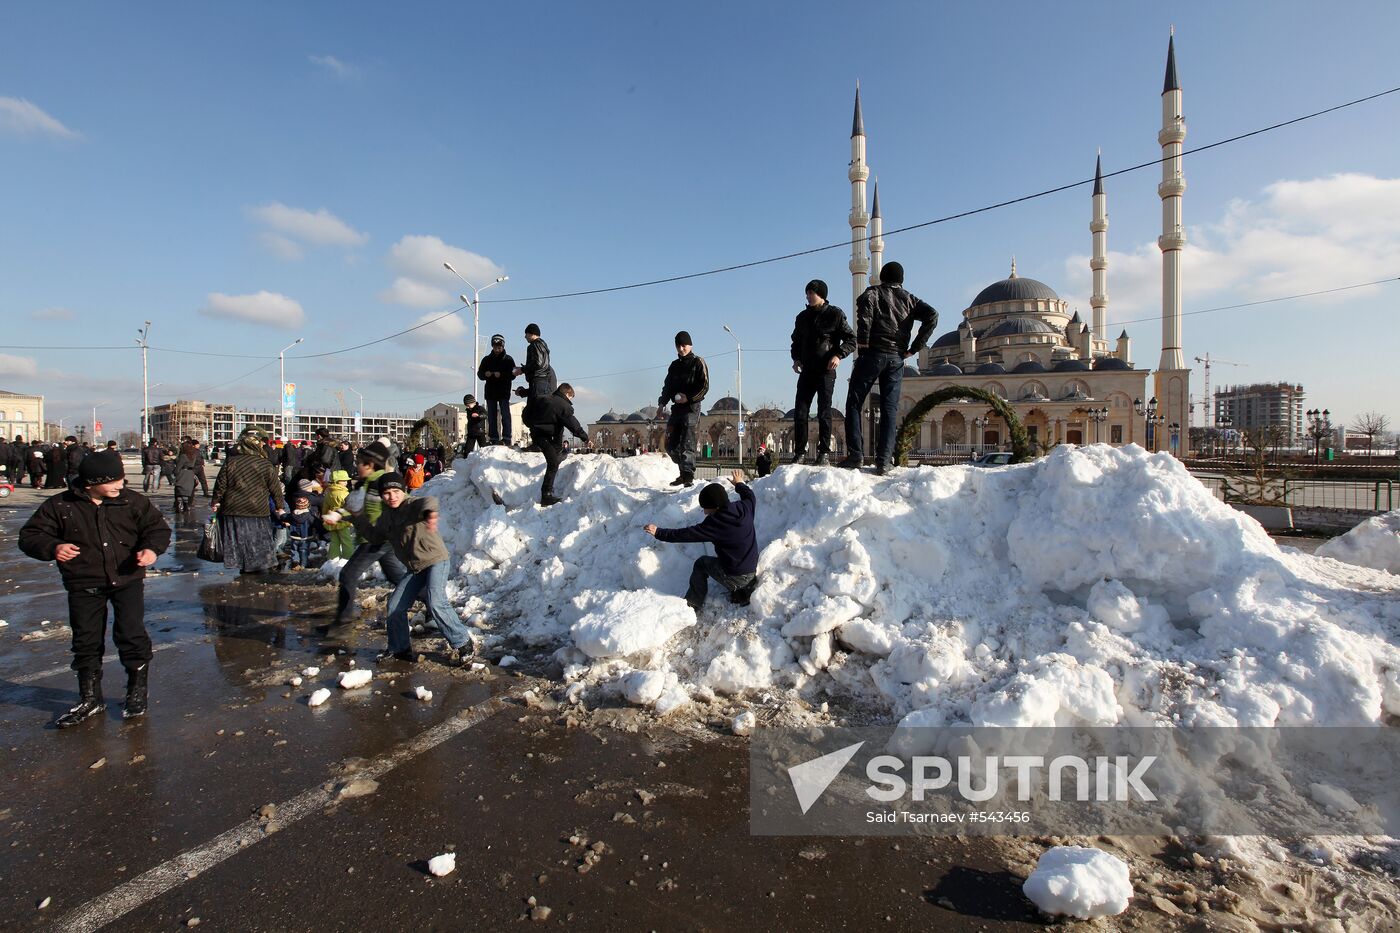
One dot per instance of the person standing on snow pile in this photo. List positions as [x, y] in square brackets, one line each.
[821, 339]
[476, 424]
[687, 381]
[537, 371]
[410, 527]
[496, 372]
[547, 418]
[364, 499]
[245, 491]
[885, 316]
[342, 536]
[729, 527]
[103, 537]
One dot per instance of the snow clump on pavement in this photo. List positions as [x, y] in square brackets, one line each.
[319, 697]
[1373, 543]
[444, 864]
[1080, 882]
[1094, 586]
[349, 680]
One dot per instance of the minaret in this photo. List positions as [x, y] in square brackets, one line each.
[877, 240]
[1172, 378]
[860, 258]
[1099, 263]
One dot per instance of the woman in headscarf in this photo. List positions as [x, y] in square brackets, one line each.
[243, 493]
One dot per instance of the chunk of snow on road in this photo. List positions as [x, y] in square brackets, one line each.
[319, 697]
[1373, 543]
[507, 661]
[629, 623]
[349, 680]
[311, 672]
[423, 693]
[445, 864]
[644, 688]
[1080, 882]
[744, 723]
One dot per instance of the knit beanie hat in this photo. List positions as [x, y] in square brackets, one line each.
[497, 340]
[818, 288]
[391, 481]
[102, 467]
[469, 400]
[532, 329]
[418, 459]
[893, 273]
[683, 339]
[713, 496]
[376, 452]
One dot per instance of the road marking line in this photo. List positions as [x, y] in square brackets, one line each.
[169, 875]
[55, 671]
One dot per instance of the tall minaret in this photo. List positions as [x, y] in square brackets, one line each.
[1172, 377]
[1099, 263]
[877, 239]
[860, 257]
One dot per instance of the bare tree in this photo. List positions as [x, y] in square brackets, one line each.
[1370, 424]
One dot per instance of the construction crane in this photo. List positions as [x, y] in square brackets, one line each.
[1208, 360]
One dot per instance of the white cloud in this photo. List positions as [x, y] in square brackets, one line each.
[290, 229]
[452, 327]
[1296, 237]
[17, 367]
[422, 280]
[333, 65]
[280, 246]
[19, 117]
[52, 314]
[264, 307]
[410, 375]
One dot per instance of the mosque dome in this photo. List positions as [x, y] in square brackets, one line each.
[1015, 288]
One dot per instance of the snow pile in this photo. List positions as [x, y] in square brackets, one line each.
[1373, 543]
[1080, 882]
[1096, 586]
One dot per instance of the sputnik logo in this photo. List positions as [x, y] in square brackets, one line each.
[811, 778]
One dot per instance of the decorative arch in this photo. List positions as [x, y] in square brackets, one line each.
[909, 430]
[422, 430]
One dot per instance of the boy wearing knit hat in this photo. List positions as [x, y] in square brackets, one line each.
[821, 339]
[687, 381]
[370, 466]
[729, 527]
[103, 537]
[496, 371]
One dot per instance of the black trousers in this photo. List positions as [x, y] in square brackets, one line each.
[365, 555]
[681, 428]
[553, 449]
[815, 380]
[87, 615]
[471, 443]
[708, 568]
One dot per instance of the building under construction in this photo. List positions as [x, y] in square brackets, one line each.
[219, 425]
[1263, 405]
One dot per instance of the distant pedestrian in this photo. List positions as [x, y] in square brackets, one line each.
[763, 463]
[56, 463]
[537, 370]
[300, 523]
[417, 475]
[729, 527]
[476, 424]
[821, 339]
[345, 458]
[245, 490]
[167, 467]
[187, 470]
[36, 464]
[496, 372]
[687, 381]
[342, 536]
[103, 537]
[885, 315]
[548, 418]
[73, 454]
[150, 466]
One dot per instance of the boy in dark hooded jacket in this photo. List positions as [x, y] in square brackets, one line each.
[729, 527]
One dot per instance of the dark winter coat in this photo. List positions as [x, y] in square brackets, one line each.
[819, 333]
[150, 455]
[323, 455]
[345, 460]
[405, 529]
[300, 524]
[537, 369]
[244, 485]
[35, 458]
[496, 372]
[56, 458]
[687, 374]
[107, 535]
[764, 463]
[729, 529]
[885, 316]
[476, 420]
[551, 414]
[189, 467]
[73, 457]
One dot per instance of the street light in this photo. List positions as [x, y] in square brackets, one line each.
[978, 437]
[94, 420]
[145, 389]
[1098, 416]
[361, 427]
[739, 387]
[475, 303]
[282, 386]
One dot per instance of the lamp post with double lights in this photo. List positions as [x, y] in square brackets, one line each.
[978, 424]
[145, 389]
[1319, 426]
[739, 390]
[475, 303]
[1098, 416]
[360, 428]
[1174, 438]
[1150, 411]
[282, 387]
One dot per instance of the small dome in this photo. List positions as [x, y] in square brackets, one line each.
[790, 415]
[637, 416]
[1110, 362]
[1071, 366]
[945, 369]
[766, 414]
[648, 412]
[728, 403]
[609, 418]
[990, 369]
[1015, 289]
[950, 339]
[837, 414]
[1030, 366]
[1020, 325]
[910, 369]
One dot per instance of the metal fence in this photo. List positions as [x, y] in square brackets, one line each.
[1355, 495]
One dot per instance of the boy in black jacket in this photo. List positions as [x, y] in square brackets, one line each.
[729, 527]
[547, 417]
[103, 537]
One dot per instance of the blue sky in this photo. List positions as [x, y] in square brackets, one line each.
[243, 175]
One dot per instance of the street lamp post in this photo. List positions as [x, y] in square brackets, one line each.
[282, 386]
[475, 303]
[1098, 416]
[145, 388]
[94, 421]
[1150, 410]
[739, 388]
[359, 434]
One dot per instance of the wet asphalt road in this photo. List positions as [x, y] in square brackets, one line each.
[173, 825]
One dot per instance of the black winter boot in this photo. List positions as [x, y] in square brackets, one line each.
[136, 691]
[89, 700]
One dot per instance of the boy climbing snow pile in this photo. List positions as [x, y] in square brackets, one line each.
[729, 527]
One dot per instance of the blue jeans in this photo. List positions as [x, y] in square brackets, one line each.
[301, 551]
[498, 408]
[888, 368]
[432, 584]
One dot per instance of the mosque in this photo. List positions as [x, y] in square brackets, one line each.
[1062, 376]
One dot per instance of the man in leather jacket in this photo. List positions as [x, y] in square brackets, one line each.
[687, 381]
[821, 339]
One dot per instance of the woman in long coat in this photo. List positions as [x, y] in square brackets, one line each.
[243, 495]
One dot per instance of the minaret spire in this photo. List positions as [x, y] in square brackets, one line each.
[1098, 226]
[859, 219]
[877, 238]
[1172, 379]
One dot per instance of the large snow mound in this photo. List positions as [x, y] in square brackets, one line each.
[1373, 543]
[1097, 586]
[1081, 882]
